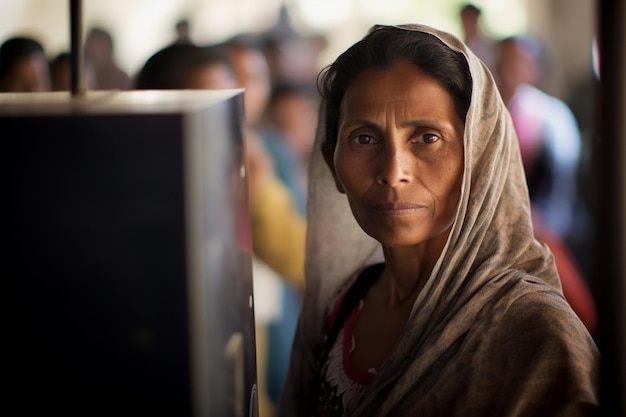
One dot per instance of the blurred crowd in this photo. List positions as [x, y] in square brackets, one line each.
[554, 150]
[278, 70]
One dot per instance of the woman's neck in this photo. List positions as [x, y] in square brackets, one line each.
[408, 268]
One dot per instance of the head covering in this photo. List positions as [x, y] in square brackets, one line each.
[490, 262]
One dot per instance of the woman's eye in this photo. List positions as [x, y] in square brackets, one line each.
[429, 138]
[364, 140]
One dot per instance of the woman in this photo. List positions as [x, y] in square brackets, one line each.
[446, 305]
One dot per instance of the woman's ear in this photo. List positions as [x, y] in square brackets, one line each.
[328, 154]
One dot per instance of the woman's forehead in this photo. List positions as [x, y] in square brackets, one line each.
[403, 83]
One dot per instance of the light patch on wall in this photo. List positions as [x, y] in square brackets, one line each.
[503, 18]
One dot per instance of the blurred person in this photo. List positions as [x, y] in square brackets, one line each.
[252, 72]
[61, 73]
[23, 66]
[573, 280]
[291, 116]
[547, 131]
[550, 147]
[182, 28]
[278, 230]
[99, 53]
[186, 66]
[480, 43]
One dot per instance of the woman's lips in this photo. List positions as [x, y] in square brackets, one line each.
[397, 209]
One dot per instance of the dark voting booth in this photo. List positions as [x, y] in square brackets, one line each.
[126, 255]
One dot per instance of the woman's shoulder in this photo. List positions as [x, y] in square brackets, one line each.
[533, 318]
[537, 345]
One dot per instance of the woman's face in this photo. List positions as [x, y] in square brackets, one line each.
[399, 155]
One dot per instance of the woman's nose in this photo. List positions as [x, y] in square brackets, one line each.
[394, 167]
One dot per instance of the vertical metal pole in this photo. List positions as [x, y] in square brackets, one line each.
[610, 244]
[76, 48]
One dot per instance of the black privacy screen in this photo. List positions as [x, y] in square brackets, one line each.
[125, 257]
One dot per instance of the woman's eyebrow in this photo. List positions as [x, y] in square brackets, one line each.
[416, 123]
[359, 123]
[438, 124]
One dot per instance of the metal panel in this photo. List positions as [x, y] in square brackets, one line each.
[125, 247]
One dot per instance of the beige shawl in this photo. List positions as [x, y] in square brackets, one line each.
[490, 333]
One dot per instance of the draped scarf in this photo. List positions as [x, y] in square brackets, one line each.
[490, 331]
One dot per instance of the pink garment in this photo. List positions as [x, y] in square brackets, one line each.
[529, 129]
[575, 288]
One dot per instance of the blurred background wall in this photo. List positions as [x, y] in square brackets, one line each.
[140, 27]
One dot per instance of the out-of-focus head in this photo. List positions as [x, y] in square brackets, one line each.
[23, 66]
[517, 63]
[252, 74]
[99, 46]
[61, 73]
[470, 14]
[292, 109]
[187, 66]
[380, 49]
[182, 30]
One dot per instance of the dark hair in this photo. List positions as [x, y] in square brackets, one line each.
[169, 67]
[16, 48]
[383, 46]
